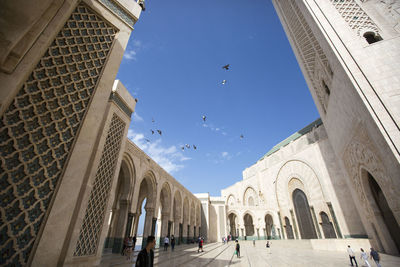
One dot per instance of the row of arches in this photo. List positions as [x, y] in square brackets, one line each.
[306, 226]
[150, 206]
[298, 199]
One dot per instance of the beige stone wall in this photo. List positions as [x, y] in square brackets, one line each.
[361, 114]
[307, 163]
[64, 78]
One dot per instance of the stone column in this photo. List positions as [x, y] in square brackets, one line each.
[120, 226]
[148, 222]
[190, 234]
[164, 224]
[176, 227]
[136, 223]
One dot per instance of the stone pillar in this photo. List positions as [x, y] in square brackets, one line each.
[190, 234]
[176, 228]
[120, 226]
[136, 223]
[148, 222]
[164, 224]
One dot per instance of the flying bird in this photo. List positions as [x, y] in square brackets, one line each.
[187, 146]
[194, 147]
[204, 118]
[183, 148]
[226, 67]
[136, 100]
[152, 132]
[159, 132]
[223, 82]
[147, 140]
[241, 136]
[152, 120]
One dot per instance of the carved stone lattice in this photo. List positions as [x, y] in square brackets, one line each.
[312, 56]
[94, 217]
[39, 127]
[354, 15]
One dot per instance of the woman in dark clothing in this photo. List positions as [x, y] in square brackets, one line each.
[146, 255]
[172, 242]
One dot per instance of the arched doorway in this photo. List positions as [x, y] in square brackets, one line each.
[384, 211]
[327, 226]
[288, 229]
[268, 225]
[248, 224]
[303, 215]
[120, 223]
[146, 204]
[233, 220]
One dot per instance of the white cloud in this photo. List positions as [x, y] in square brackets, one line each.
[132, 50]
[168, 158]
[214, 129]
[136, 117]
[130, 54]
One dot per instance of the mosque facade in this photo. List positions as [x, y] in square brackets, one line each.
[73, 185]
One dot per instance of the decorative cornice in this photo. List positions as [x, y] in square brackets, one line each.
[120, 12]
[120, 103]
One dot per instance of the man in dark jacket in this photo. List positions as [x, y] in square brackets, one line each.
[145, 257]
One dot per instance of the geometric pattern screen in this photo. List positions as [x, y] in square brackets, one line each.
[354, 15]
[94, 217]
[39, 127]
[306, 44]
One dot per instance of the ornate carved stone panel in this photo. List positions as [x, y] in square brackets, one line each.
[311, 54]
[361, 153]
[94, 217]
[39, 127]
[354, 15]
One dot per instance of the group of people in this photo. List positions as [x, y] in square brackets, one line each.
[226, 240]
[167, 242]
[373, 255]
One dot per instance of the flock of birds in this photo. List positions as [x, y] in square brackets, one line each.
[204, 118]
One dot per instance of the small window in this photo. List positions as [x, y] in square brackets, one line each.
[372, 37]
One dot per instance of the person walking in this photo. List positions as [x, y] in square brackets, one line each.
[375, 256]
[200, 245]
[128, 249]
[125, 245]
[172, 242]
[254, 242]
[145, 257]
[166, 243]
[352, 256]
[364, 256]
[237, 249]
[268, 245]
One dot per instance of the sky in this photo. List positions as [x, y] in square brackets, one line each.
[173, 66]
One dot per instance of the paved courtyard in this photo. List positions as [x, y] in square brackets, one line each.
[218, 254]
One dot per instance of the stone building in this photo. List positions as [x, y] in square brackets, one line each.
[68, 173]
[71, 182]
[341, 179]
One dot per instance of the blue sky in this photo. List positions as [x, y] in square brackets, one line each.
[173, 65]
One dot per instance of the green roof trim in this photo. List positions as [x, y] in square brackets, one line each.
[293, 137]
